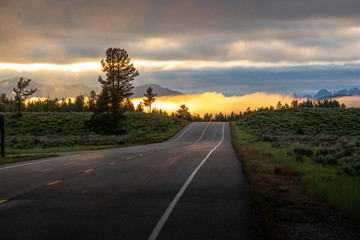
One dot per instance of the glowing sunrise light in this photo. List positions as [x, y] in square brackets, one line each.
[152, 65]
[34, 100]
[51, 67]
[212, 102]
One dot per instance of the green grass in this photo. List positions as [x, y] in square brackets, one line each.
[15, 159]
[63, 132]
[274, 132]
[35, 150]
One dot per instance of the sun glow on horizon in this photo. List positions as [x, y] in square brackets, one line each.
[154, 65]
[51, 67]
[212, 102]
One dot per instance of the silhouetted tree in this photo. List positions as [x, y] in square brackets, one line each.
[294, 103]
[92, 100]
[307, 104]
[79, 103]
[140, 107]
[3, 98]
[219, 117]
[117, 86]
[128, 105]
[150, 98]
[334, 104]
[207, 117]
[196, 118]
[21, 94]
[183, 112]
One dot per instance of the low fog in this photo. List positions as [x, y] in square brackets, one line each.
[212, 102]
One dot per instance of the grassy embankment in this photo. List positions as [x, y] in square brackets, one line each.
[63, 132]
[320, 148]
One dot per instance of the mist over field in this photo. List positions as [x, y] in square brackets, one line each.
[350, 101]
[212, 102]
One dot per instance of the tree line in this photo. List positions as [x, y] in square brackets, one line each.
[297, 104]
[83, 104]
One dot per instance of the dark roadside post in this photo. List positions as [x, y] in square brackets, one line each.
[2, 129]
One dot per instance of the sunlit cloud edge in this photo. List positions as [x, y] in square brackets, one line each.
[151, 65]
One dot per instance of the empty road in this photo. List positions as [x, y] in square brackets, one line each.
[189, 187]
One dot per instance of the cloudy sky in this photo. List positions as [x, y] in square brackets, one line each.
[232, 47]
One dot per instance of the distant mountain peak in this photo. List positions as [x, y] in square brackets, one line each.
[324, 93]
[72, 90]
[140, 90]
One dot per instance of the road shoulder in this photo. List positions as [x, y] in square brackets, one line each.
[287, 212]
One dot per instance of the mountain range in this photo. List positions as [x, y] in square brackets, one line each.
[324, 93]
[63, 91]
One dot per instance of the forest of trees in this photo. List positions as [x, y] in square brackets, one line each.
[88, 104]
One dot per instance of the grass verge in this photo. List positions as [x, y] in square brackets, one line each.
[15, 159]
[44, 133]
[64, 132]
[281, 185]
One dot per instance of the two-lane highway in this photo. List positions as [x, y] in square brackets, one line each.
[189, 187]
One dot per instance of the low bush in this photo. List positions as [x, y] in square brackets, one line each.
[334, 133]
[49, 130]
[302, 151]
[326, 159]
[350, 165]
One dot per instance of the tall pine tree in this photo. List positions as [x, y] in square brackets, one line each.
[120, 72]
[21, 94]
[150, 98]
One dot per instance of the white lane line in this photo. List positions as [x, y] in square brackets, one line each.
[31, 163]
[182, 133]
[170, 208]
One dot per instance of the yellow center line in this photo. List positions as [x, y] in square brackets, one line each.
[128, 158]
[54, 182]
[3, 201]
[140, 155]
[112, 163]
[89, 170]
[203, 132]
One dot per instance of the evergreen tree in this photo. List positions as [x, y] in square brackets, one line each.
[207, 117]
[3, 98]
[294, 103]
[92, 100]
[21, 94]
[150, 98]
[128, 105]
[183, 112]
[79, 103]
[117, 86]
[140, 107]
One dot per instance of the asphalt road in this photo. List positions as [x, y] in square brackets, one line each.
[190, 187]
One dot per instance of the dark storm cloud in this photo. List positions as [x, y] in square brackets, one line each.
[70, 31]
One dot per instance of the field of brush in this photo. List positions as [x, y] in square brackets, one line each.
[52, 132]
[322, 144]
